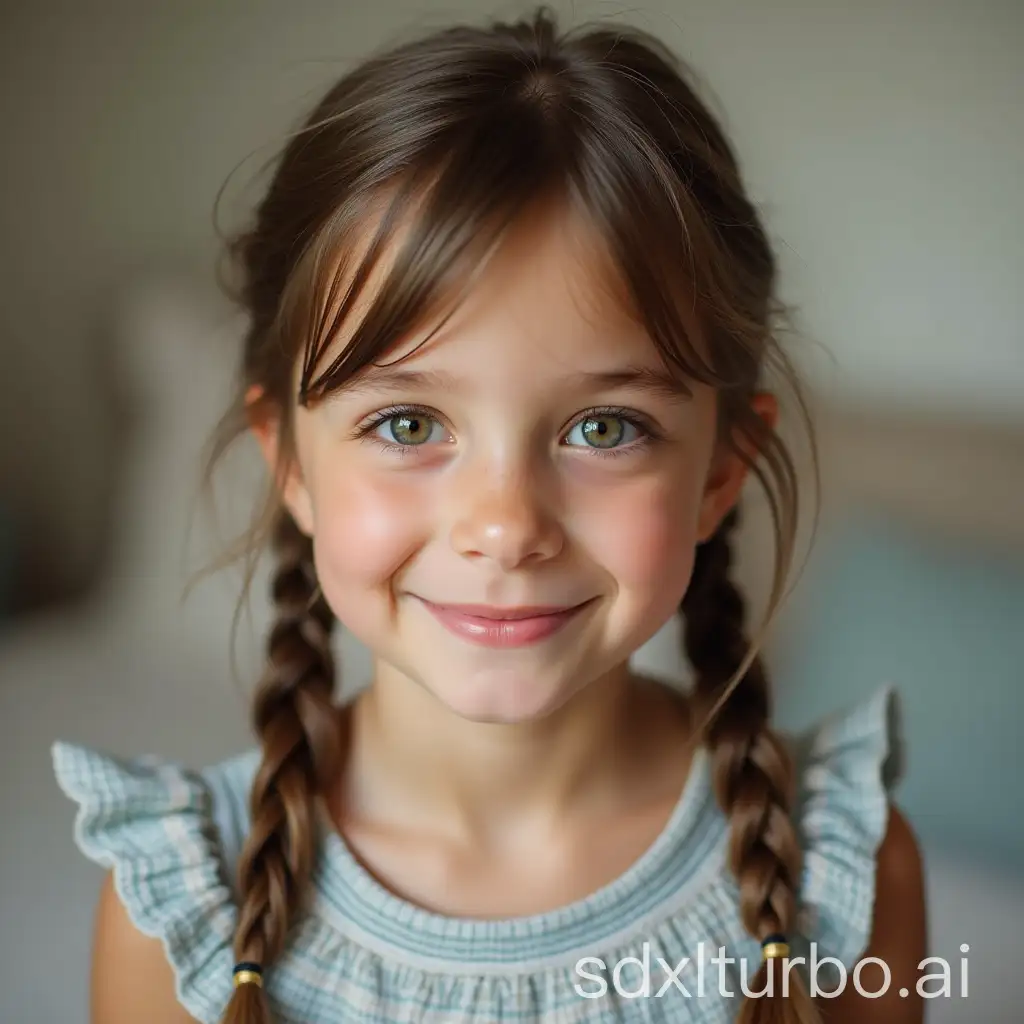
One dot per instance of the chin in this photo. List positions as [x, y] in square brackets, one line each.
[507, 697]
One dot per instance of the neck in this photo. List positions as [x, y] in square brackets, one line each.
[414, 762]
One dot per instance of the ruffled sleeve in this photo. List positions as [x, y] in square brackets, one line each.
[848, 767]
[153, 824]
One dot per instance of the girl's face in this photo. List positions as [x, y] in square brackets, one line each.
[509, 513]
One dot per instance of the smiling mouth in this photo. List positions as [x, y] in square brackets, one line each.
[492, 626]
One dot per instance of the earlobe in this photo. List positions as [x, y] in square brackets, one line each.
[264, 425]
[729, 470]
[725, 480]
[297, 500]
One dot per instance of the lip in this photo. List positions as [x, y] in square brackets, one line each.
[492, 626]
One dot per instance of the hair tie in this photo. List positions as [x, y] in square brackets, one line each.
[774, 947]
[248, 973]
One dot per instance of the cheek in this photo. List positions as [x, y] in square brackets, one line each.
[646, 535]
[364, 529]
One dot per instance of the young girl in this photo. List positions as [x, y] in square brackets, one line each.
[511, 314]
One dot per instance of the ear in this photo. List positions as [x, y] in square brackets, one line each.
[265, 426]
[729, 469]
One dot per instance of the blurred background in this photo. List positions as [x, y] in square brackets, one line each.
[885, 143]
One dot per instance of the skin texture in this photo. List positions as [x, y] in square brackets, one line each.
[507, 504]
[467, 763]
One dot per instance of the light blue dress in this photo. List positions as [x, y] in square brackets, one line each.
[361, 955]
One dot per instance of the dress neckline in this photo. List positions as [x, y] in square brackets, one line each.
[352, 901]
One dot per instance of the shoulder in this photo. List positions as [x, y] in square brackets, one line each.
[899, 864]
[899, 924]
[132, 978]
[883, 984]
[168, 837]
[862, 879]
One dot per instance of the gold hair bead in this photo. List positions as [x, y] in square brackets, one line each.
[775, 947]
[248, 974]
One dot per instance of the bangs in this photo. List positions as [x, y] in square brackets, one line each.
[398, 260]
[413, 252]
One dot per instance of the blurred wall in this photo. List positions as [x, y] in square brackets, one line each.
[886, 141]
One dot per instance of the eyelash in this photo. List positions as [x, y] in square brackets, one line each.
[364, 432]
[648, 434]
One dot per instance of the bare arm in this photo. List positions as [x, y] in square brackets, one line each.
[131, 978]
[898, 938]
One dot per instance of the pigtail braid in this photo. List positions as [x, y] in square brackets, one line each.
[294, 717]
[752, 772]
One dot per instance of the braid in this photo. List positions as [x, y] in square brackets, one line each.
[294, 717]
[751, 768]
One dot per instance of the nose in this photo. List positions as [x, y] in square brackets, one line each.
[506, 518]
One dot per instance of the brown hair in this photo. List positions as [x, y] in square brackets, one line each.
[452, 136]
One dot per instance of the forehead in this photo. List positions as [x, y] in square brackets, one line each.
[547, 299]
[547, 291]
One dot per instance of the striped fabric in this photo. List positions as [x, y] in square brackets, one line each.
[361, 955]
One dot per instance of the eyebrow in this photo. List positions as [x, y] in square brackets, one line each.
[641, 379]
[637, 378]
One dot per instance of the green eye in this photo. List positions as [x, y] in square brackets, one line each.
[602, 431]
[409, 428]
